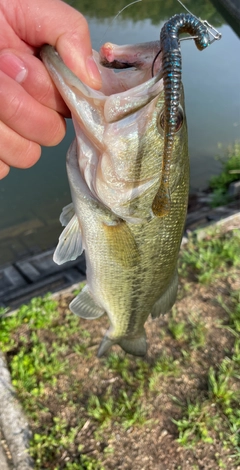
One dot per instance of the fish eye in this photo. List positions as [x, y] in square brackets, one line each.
[179, 121]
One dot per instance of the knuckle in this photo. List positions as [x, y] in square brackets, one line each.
[45, 91]
[56, 131]
[14, 110]
[4, 169]
[29, 154]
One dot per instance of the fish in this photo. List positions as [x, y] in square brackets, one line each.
[117, 167]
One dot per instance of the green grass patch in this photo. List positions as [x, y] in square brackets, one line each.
[230, 172]
[217, 416]
[38, 314]
[125, 408]
[210, 258]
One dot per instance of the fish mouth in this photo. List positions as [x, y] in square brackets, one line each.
[121, 94]
[120, 113]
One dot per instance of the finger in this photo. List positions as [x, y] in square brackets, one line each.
[64, 28]
[4, 170]
[16, 151]
[26, 116]
[34, 78]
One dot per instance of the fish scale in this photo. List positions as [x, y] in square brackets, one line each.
[114, 168]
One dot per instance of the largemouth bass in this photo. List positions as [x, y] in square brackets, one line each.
[116, 170]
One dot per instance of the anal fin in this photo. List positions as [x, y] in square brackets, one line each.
[85, 307]
[104, 346]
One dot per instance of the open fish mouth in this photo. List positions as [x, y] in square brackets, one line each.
[125, 104]
[128, 85]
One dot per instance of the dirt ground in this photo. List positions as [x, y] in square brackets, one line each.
[152, 444]
[120, 412]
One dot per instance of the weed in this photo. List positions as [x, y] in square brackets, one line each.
[54, 443]
[210, 258]
[38, 314]
[233, 311]
[219, 388]
[230, 172]
[197, 333]
[78, 290]
[177, 328]
[194, 425]
[193, 331]
[85, 463]
[120, 365]
[165, 366]
[217, 417]
[125, 408]
[29, 369]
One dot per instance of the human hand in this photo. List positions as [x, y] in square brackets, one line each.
[31, 109]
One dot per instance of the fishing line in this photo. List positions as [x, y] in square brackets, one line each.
[211, 30]
[115, 17]
[216, 35]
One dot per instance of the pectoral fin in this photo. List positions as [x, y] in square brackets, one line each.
[70, 243]
[85, 307]
[66, 214]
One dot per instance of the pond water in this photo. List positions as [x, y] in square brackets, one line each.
[211, 80]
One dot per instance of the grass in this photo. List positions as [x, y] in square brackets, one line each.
[90, 414]
[217, 415]
[126, 409]
[210, 258]
[230, 172]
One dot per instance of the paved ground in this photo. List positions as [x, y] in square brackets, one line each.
[37, 275]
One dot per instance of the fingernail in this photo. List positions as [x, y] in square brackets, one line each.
[93, 71]
[12, 66]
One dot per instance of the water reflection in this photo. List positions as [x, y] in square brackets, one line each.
[213, 110]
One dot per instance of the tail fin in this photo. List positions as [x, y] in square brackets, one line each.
[134, 346]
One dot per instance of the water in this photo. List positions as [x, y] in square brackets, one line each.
[31, 200]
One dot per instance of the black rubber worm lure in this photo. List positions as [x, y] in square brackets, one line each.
[172, 72]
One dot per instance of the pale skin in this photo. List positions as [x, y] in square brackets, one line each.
[31, 110]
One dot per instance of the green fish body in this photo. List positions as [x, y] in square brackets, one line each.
[114, 169]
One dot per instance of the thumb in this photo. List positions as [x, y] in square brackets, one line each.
[56, 23]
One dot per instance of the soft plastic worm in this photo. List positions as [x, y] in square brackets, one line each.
[172, 73]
